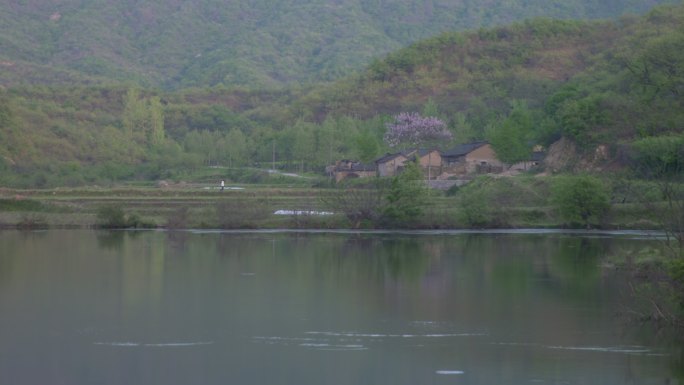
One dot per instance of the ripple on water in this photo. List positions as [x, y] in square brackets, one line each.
[309, 343]
[376, 335]
[150, 345]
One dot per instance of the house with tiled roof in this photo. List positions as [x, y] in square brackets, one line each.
[471, 158]
[348, 169]
[430, 160]
[392, 164]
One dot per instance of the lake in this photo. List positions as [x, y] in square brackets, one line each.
[193, 307]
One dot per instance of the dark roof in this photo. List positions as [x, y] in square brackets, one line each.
[463, 149]
[408, 154]
[387, 157]
[424, 151]
[363, 167]
[353, 165]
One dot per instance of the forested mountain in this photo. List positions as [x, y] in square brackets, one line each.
[617, 86]
[181, 43]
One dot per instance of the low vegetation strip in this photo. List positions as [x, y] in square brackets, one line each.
[486, 202]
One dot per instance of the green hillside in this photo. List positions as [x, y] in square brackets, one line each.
[175, 43]
[610, 85]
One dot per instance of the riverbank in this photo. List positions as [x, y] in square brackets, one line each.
[203, 206]
[656, 279]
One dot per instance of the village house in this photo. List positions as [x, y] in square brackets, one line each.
[430, 160]
[462, 160]
[345, 169]
[391, 164]
[471, 158]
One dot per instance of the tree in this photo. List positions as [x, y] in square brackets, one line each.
[430, 108]
[366, 146]
[475, 203]
[658, 69]
[303, 142]
[510, 138]
[326, 140]
[414, 130]
[661, 160]
[156, 117]
[6, 113]
[206, 144]
[579, 118]
[581, 199]
[409, 128]
[143, 119]
[406, 196]
[236, 146]
[462, 130]
[134, 114]
[7, 124]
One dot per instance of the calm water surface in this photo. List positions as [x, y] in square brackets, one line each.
[88, 307]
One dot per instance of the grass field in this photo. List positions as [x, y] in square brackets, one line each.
[248, 206]
[181, 206]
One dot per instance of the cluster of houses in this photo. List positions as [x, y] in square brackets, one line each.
[459, 162]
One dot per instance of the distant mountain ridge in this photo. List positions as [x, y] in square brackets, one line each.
[612, 90]
[253, 43]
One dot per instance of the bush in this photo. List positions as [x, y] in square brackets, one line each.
[476, 206]
[581, 200]
[406, 197]
[360, 203]
[657, 157]
[114, 217]
[32, 222]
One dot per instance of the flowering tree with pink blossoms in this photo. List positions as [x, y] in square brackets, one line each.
[409, 128]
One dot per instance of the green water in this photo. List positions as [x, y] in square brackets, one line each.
[88, 307]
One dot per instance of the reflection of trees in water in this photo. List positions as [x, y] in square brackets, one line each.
[177, 240]
[405, 259]
[11, 245]
[511, 263]
[517, 264]
[575, 264]
[400, 258]
[114, 239]
[9, 250]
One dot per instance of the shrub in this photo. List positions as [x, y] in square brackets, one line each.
[406, 196]
[580, 200]
[114, 217]
[475, 203]
[361, 204]
[32, 222]
[475, 209]
[111, 217]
